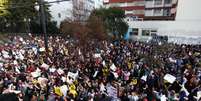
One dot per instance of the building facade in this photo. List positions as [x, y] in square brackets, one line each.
[145, 9]
[160, 9]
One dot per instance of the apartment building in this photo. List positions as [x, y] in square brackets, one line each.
[145, 9]
[160, 9]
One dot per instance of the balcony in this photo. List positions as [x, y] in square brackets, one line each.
[157, 4]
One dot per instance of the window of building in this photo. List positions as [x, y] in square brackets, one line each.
[158, 2]
[145, 32]
[166, 12]
[148, 13]
[157, 12]
[134, 31]
[168, 1]
[153, 32]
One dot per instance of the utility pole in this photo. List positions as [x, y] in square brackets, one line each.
[43, 22]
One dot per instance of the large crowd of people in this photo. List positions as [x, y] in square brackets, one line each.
[98, 70]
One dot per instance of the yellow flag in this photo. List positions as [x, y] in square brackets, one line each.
[72, 90]
[129, 65]
[134, 82]
[34, 81]
[58, 91]
[3, 6]
[72, 87]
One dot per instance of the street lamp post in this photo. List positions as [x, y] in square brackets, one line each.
[43, 21]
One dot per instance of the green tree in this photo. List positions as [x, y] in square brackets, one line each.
[24, 17]
[97, 28]
[113, 19]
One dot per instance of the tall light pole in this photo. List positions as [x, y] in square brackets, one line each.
[43, 22]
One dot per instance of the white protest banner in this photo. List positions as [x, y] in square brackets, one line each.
[172, 60]
[144, 78]
[6, 56]
[34, 50]
[113, 67]
[4, 52]
[17, 69]
[73, 75]
[104, 63]
[63, 79]
[102, 87]
[52, 70]
[35, 74]
[79, 52]
[42, 49]
[97, 55]
[163, 98]
[15, 91]
[115, 75]
[95, 74]
[21, 39]
[199, 94]
[169, 78]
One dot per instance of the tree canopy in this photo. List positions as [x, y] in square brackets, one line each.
[101, 24]
[113, 19]
[24, 13]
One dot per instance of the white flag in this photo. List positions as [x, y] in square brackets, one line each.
[113, 67]
[42, 49]
[144, 78]
[95, 74]
[97, 55]
[73, 75]
[169, 78]
[104, 63]
[35, 74]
